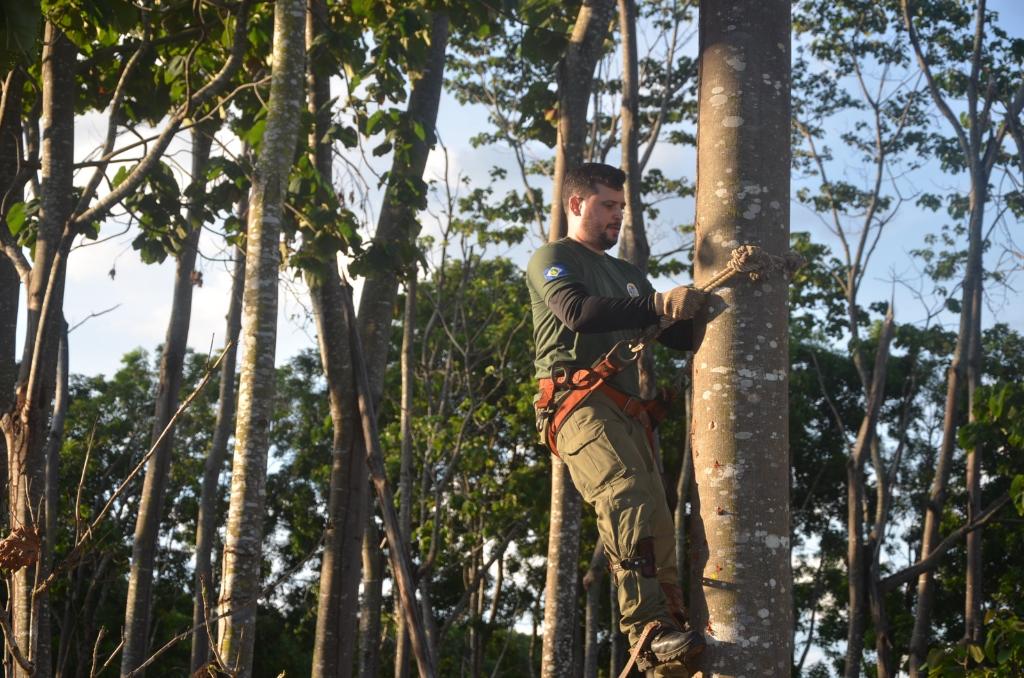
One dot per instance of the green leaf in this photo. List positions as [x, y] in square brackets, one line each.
[977, 654]
[1017, 493]
[419, 131]
[16, 218]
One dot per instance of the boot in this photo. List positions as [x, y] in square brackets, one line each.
[672, 644]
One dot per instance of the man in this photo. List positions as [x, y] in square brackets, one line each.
[584, 302]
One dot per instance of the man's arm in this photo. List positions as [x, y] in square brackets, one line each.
[678, 336]
[584, 313]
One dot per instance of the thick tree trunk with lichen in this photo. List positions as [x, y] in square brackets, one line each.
[742, 582]
[206, 522]
[147, 523]
[242, 550]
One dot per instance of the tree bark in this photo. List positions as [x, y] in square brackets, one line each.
[54, 439]
[633, 246]
[406, 472]
[979, 156]
[334, 645]
[147, 523]
[561, 583]
[859, 579]
[24, 425]
[575, 83]
[10, 282]
[741, 592]
[369, 616]
[575, 75]
[401, 564]
[592, 583]
[243, 547]
[207, 520]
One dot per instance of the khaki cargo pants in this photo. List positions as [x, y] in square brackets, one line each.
[613, 467]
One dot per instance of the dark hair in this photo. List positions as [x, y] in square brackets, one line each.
[583, 180]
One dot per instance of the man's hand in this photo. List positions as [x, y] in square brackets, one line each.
[679, 303]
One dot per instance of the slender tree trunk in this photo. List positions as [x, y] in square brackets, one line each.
[334, 645]
[619, 644]
[633, 246]
[397, 224]
[25, 425]
[743, 583]
[369, 617]
[206, 522]
[575, 73]
[561, 584]
[10, 283]
[147, 523]
[243, 547]
[592, 583]
[858, 566]
[974, 595]
[406, 472]
[52, 493]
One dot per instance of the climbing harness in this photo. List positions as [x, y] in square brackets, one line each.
[553, 409]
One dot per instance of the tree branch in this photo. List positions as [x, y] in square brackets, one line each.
[932, 560]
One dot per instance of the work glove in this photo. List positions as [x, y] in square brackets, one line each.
[679, 303]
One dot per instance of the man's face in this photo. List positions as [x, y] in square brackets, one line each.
[596, 220]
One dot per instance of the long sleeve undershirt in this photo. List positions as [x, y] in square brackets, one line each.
[587, 314]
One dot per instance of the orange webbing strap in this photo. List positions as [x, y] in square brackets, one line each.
[641, 647]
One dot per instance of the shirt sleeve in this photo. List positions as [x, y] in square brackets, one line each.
[551, 273]
[678, 335]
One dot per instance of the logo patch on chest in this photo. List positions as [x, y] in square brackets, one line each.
[632, 290]
[554, 272]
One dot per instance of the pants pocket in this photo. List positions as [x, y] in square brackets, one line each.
[591, 456]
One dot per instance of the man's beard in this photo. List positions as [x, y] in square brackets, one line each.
[608, 240]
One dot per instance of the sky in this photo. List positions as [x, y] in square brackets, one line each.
[117, 303]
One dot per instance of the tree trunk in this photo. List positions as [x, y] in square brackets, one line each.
[369, 616]
[592, 583]
[44, 658]
[405, 474]
[575, 73]
[979, 156]
[334, 645]
[575, 76]
[242, 550]
[147, 522]
[10, 283]
[207, 520]
[561, 584]
[633, 246]
[24, 426]
[742, 582]
[397, 224]
[974, 594]
[858, 566]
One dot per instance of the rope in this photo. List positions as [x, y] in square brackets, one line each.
[745, 259]
[756, 263]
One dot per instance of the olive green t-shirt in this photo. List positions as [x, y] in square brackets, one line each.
[565, 262]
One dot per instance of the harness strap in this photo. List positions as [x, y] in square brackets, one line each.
[642, 647]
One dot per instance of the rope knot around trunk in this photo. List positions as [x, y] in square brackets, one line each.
[757, 264]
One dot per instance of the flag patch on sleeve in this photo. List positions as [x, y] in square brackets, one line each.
[554, 272]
